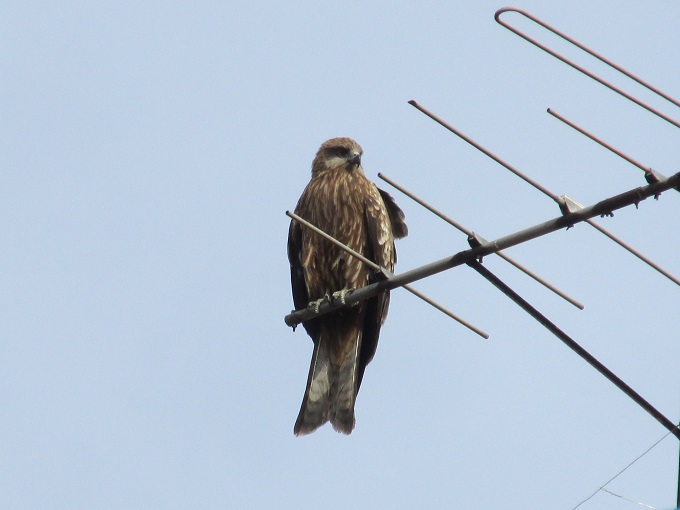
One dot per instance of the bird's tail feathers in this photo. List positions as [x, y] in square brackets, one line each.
[316, 402]
[344, 390]
[331, 390]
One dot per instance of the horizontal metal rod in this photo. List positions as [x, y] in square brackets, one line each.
[574, 346]
[598, 140]
[385, 272]
[650, 174]
[439, 307]
[635, 252]
[337, 243]
[485, 151]
[581, 69]
[633, 196]
[469, 233]
[427, 206]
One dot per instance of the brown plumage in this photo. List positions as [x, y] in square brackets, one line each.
[341, 201]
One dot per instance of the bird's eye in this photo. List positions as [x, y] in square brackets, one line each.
[342, 151]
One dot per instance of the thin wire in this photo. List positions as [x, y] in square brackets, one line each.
[629, 500]
[625, 468]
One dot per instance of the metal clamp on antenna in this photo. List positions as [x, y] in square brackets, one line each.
[568, 205]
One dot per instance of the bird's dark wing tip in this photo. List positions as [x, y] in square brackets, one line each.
[399, 228]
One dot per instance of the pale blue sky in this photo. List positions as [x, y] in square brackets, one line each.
[148, 152]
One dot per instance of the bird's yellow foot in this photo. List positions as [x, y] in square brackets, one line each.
[341, 295]
[317, 304]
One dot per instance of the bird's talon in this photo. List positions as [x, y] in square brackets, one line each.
[341, 294]
[317, 304]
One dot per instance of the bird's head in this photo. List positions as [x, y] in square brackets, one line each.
[337, 154]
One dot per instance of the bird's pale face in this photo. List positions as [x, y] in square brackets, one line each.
[337, 154]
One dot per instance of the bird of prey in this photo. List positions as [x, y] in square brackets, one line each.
[342, 202]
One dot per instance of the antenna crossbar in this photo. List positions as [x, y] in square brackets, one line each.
[604, 207]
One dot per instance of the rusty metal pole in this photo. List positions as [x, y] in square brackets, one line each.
[677, 503]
